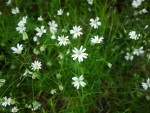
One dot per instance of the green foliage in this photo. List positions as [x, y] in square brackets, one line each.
[113, 84]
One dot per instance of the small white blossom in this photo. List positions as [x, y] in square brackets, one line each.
[96, 39]
[21, 25]
[138, 51]
[63, 40]
[8, 2]
[21, 28]
[95, 23]
[40, 31]
[18, 49]
[53, 91]
[53, 37]
[35, 38]
[133, 35]
[90, 2]
[76, 31]
[129, 56]
[36, 65]
[143, 11]
[0, 13]
[60, 12]
[147, 84]
[136, 3]
[77, 82]
[15, 11]
[7, 101]
[40, 18]
[14, 110]
[109, 65]
[2, 81]
[79, 53]
[53, 26]
[36, 105]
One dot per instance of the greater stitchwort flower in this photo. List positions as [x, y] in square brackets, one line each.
[40, 18]
[60, 12]
[63, 40]
[133, 35]
[96, 39]
[147, 84]
[40, 31]
[90, 2]
[7, 101]
[129, 56]
[53, 26]
[2, 81]
[21, 25]
[79, 53]
[76, 31]
[95, 23]
[36, 65]
[14, 110]
[77, 82]
[15, 11]
[138, 51]
[18, 49]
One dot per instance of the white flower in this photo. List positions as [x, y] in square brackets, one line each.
[90, 2]
[138, 51]
[35, 38]
[96, 40]
[53, 26]
[2, 81]
[36, 105]
[40, 18]
[21, 28]
[53, 91]
[14, 110]
[78, 82]
[136, 3]
[21, 25]
[18, 49]
[129, 56]
[23, 21]
[143, 11]
[79, 54]
[60, 12]
[40, 31]
[95, 23]
[63, 40]
[15, 11]
[8, 2]
[0, 13]
[146, 85]
[76, 31]
[7, 101]
[109, 65]
[133, 35]
[36, 65]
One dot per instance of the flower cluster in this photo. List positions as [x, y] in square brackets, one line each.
[147, 84]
